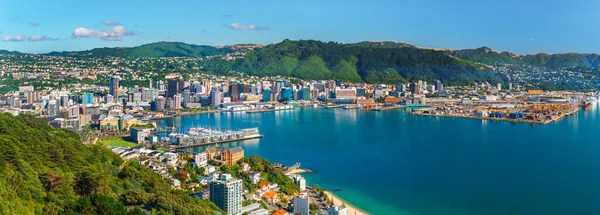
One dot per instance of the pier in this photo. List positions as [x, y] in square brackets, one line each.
[217, 142]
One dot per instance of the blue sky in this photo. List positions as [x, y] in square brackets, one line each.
[520, 26]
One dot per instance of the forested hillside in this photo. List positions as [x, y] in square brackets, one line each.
[309, 59]
[44, 170]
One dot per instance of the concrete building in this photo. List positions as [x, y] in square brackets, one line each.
[300, 182]
[301, 205]
[139, 134]
[226, 193]
[337, 210]
[215, 98]
[201, 159]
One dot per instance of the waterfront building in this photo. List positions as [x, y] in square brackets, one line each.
[87, 98]
[139, 134]
[287, 94]
[337, 210]
[267, 95]
[301, 205]
[499, 87]
[114, 86]
[349, 94]
[226, 193]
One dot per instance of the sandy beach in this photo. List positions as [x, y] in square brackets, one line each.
[352, 210]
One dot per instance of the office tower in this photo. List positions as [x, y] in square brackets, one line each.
[159, 103]
[226, 193]
[174, 86]
[187, 96]
[114, 86]
[438, 85]
[52, 108]
[215, 98]
[234, 91]
[267, 95]
[149, 94]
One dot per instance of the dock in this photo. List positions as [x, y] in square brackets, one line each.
[266, 110]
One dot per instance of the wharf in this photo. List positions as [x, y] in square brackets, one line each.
[393, 107]
[219, 141]
[332, 106]
[266, 110]
[546, 121]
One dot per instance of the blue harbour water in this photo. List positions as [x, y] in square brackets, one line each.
[391, 162]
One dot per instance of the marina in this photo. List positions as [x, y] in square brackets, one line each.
[199, 136]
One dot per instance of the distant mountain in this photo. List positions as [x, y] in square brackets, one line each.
[159, 49]
[10, 52]
[486, 55]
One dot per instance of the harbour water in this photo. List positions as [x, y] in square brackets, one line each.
[391, 162]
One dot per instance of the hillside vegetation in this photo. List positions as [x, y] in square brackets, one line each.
[44, 170]
[160, 49]
[309, 59]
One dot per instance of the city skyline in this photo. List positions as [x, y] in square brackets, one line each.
[519, 27]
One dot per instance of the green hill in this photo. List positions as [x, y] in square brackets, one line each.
[159, 49]
[44, 170]
[309, 59]
[486, 55]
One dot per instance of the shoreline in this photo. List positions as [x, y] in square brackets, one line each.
[351, 209]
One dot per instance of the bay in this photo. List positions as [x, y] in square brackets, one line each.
[392, 162]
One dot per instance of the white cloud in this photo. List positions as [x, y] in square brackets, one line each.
[110, 22]
[38, 38]
[13, 39]
[238, 26]
[115, 34]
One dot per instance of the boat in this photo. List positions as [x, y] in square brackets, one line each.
[350, 107]
[377, 109]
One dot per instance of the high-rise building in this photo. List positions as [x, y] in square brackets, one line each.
[64, 101]
[267, 95]
[287, 94]
[305, 94]
[52, 108]
[174, 86]
[415, 88]
[114, 86]
[87, 98]
[215, 98]
[226, 193]
[300, 182]
[187, 96]
[301, 205]
[159, 103]
[234, 91]
[439, 86]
